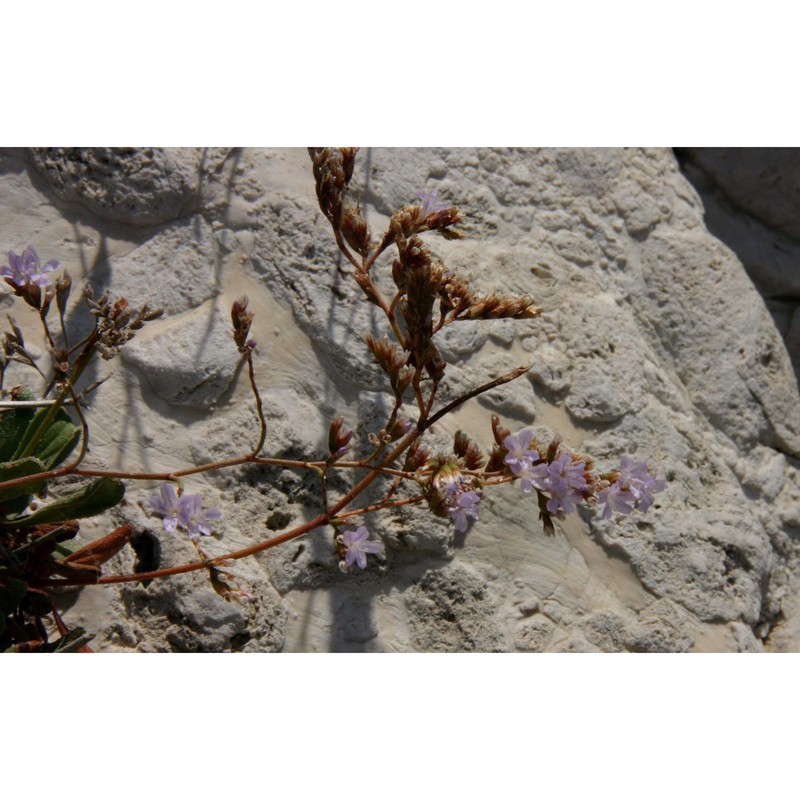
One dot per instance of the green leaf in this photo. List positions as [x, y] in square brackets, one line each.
[13, 425]
[98, 496]
[19, 469]
[55, 443]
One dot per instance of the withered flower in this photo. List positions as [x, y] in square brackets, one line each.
[338, 439]
[417, 457]
[355, 230]
[500, 306]
[242, 319]
[466, 449]
[432, 215]
[115, 322]
[220, 581]
[333, 169]
[63, 288]
[392, 362]
[416, 274]
[499, 431]
[452, 494]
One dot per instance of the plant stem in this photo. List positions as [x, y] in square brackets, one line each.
[259, 405]
[509, 376]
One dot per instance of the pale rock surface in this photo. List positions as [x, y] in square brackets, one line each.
[653, 341]
[135, 186]
[190, 361]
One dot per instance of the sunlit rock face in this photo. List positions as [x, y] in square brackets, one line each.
[653, 341]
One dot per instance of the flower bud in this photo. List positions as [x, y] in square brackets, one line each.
[338, 439]
[400, 429]
[499, 432]
[355, 230]
[63, 288]
[241, 319]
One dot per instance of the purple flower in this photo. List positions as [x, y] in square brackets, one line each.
[566, 483]
[636, 476]
[431, 203]
[183, 512]
[27, 268]
[616, 499]
[519, 449]
[521, 460]
[195, 522]
[357, 545]
[532, 477]
[564, 478]
[566, 469]
[168, 505]
[633, 488]
[461, 505]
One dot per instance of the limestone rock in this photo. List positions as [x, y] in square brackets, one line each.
[532, 636]
[750, 199]
[135, 186]
[176, 270]
[653, 342]
[452, 611]
[187, 362]
[764, 181]
[661, 628]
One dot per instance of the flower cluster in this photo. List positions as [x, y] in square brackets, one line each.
[568, 479]
[353, 546]
[633, 488]
[27, 268]
[183, 512]
[564, 478]
[454, 495]
[431, 214]
[463, 504]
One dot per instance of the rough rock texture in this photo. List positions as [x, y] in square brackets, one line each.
[751, 198]
[190, 362]
[129, 185]
[653, 341]
[451, 610]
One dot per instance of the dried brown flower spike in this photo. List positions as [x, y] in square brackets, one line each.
[333, 169]
[242, 319]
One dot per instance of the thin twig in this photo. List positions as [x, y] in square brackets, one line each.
[259, 405]
[509, 376]
[84, 428]
[381, 505]
[10, 405]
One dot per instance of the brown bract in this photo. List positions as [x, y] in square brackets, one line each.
[333, 169]
[391, 361]
[466, 449]
[420, 279]
[355, 229]
[242, 319]
[116, 322]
